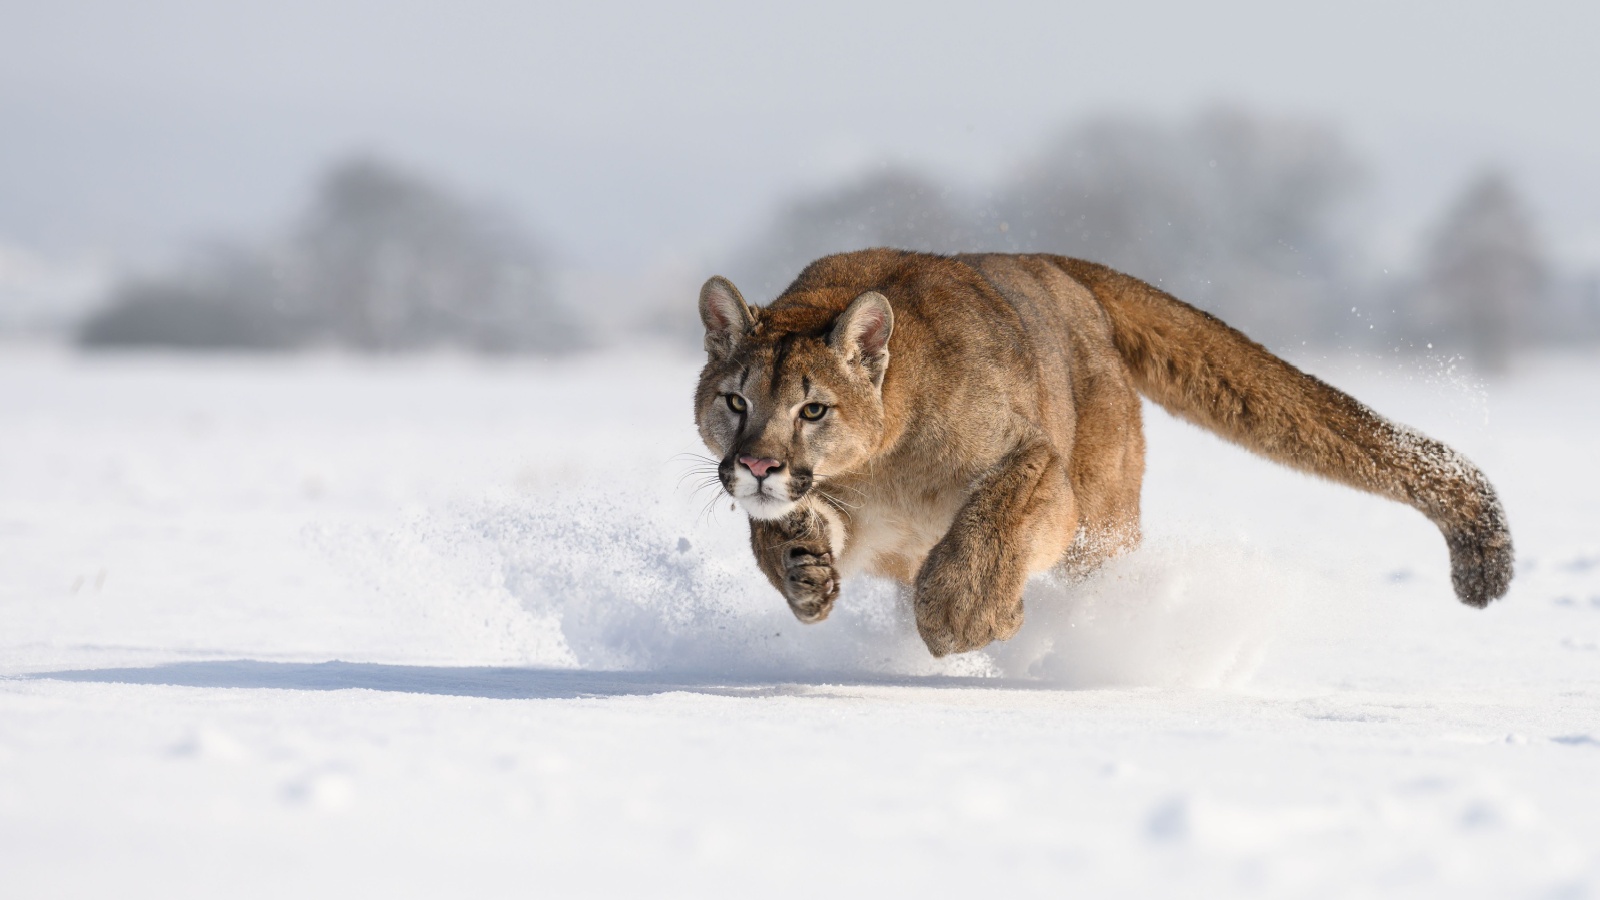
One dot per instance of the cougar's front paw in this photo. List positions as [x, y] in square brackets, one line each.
[810, 583]
[955, 619]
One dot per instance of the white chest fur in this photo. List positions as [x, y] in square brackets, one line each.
[890, 535]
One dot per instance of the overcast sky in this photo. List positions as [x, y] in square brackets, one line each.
[628, 134]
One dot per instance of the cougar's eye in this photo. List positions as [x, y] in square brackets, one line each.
[737, 404]
[812, 411]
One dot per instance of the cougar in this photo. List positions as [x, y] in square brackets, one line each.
[957, 423]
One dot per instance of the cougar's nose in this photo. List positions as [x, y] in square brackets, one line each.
[759, 467]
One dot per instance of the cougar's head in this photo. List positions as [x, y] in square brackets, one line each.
[790, 397]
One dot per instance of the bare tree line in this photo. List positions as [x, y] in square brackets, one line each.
[1251, 217]
[383, 261]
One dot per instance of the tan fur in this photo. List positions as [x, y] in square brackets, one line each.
[983, 423]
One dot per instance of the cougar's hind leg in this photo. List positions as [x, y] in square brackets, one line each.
[1020, 519]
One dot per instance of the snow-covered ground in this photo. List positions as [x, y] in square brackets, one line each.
[312, 627]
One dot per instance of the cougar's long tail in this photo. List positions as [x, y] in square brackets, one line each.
[1200, 369]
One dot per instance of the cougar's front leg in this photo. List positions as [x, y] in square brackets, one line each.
[1020, 518]
[796, 552]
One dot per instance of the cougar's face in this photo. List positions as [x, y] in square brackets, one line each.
[787, 401]
[784, 416]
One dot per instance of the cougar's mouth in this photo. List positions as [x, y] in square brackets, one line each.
[762, 498]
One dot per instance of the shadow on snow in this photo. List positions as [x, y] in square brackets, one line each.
[492, 682]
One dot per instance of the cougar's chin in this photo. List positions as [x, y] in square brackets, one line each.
[761, 506]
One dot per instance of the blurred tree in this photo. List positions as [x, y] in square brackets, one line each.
[1243, 215]
[887, 208]
[224, 298]
[388, 261]
[1239, 214]
[383, 261]
[1485, 273]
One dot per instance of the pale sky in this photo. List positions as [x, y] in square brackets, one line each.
[628, 134]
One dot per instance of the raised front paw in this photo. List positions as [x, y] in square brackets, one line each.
[957, 617]
[810, 583]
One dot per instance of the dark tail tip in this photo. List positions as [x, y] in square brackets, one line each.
[1481, 561]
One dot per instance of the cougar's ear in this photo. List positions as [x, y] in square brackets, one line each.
[861, 334]
[726, 317]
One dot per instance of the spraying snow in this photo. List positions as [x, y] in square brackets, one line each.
[608, 585]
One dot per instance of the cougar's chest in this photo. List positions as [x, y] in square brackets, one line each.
[895, 527]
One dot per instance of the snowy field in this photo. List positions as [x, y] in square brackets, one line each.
[325, 627]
